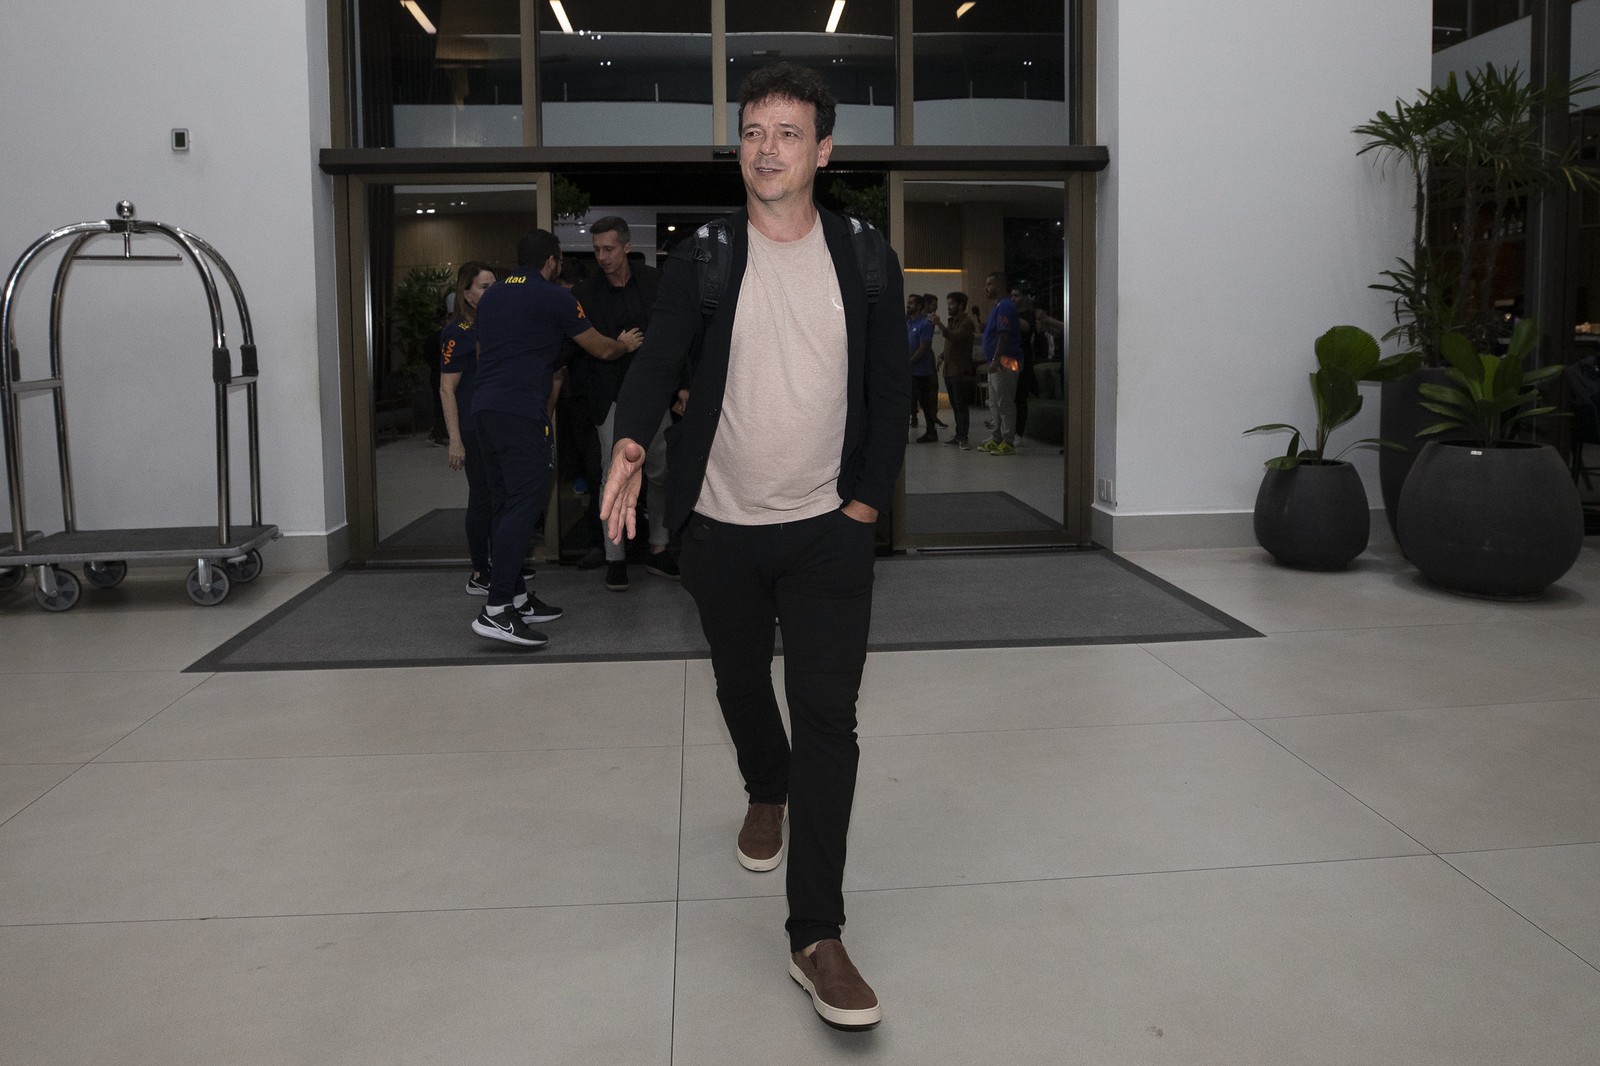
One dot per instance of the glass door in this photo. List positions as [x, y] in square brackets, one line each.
[968, 246]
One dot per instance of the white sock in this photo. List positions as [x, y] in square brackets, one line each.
[519, 601]
[495, 611]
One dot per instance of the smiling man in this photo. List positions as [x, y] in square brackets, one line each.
[790, 444]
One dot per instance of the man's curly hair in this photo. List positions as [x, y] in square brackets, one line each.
[790, 81]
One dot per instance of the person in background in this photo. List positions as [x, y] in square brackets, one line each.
[458, 362]
[620, 299]
[960, 370]
[1002, 353]
[924, 384]
[521, 324]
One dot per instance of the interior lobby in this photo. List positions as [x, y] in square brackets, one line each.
[1363, 825]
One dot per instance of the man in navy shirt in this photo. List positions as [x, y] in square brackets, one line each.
[521, 324]
[1002, 349]
[924, 386]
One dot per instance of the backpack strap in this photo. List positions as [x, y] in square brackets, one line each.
[870, 258]
[711, 254]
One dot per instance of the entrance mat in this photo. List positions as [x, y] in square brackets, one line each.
[974, 512]
[442, 526]
[422, 617]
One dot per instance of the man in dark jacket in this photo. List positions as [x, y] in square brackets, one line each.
[791, 440]
[617, 300]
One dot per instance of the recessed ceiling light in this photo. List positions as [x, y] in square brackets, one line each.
[964, 8]
[833, 19]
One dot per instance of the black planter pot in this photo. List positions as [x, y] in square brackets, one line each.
[1400, 418]
[1314, 516]
[1502, 522]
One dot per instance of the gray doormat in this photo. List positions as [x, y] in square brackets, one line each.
[373, 618]
[974, 512]
[440, 526]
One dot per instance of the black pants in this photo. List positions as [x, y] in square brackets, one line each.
[960, 390]
[925, 390]
[480, 511]
[815, 576]
[516, 456]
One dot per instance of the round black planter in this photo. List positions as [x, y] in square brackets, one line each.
[1314, 516]
[1503, 522]
[1400, 418]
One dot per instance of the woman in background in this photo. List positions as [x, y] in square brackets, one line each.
[458, 361]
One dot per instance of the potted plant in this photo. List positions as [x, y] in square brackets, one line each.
[1474, 154]
[1311, 512]
[1490, 515]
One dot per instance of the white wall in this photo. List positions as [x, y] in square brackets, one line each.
[1237, 224]
[92, 90]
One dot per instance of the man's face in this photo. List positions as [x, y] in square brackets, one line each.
[952, 306]
[779, 153]
[913, 305]
[610, 253]
[991, 287]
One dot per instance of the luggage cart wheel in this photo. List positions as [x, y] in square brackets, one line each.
[105, 574]
[213, 592]
[64, 594]
[246, 568]
[10, 578]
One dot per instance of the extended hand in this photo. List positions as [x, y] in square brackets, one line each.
[631, 339]
[457, 454]
[622, 489]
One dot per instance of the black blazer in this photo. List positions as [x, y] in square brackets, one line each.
[681, 338]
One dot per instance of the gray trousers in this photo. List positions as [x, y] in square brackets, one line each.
[1003, 402]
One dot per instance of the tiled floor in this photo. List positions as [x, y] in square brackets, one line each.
[1372, 836]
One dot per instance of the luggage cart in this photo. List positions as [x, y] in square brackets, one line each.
[224, 554]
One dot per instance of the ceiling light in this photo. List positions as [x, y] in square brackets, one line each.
[416, 13]
[964, 8]
[430, 210]
[561, 16]
[833, 19]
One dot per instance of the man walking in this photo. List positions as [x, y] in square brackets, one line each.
[791, 441]
[618, 300]
[521, 323]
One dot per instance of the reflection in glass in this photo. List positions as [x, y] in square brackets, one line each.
[994, 74]
[439, 73]
[956, 234]
[856, 59]
[632, 74]
[419, 235]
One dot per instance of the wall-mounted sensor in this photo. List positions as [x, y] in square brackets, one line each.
[180, 140]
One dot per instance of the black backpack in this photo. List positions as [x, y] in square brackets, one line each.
[711, 253]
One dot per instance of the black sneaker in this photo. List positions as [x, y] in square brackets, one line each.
[477, 584]
[593, 559]
[662, 564]
[617, 577]
[536, 610]
[509, 627]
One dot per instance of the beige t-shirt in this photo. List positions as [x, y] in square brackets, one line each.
[776, 454]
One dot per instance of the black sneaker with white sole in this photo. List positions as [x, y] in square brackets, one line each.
[509, 627]
[477, 584]
[536, 610]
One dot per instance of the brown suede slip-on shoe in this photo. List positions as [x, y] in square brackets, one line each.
[838, 991]
[761, 837]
